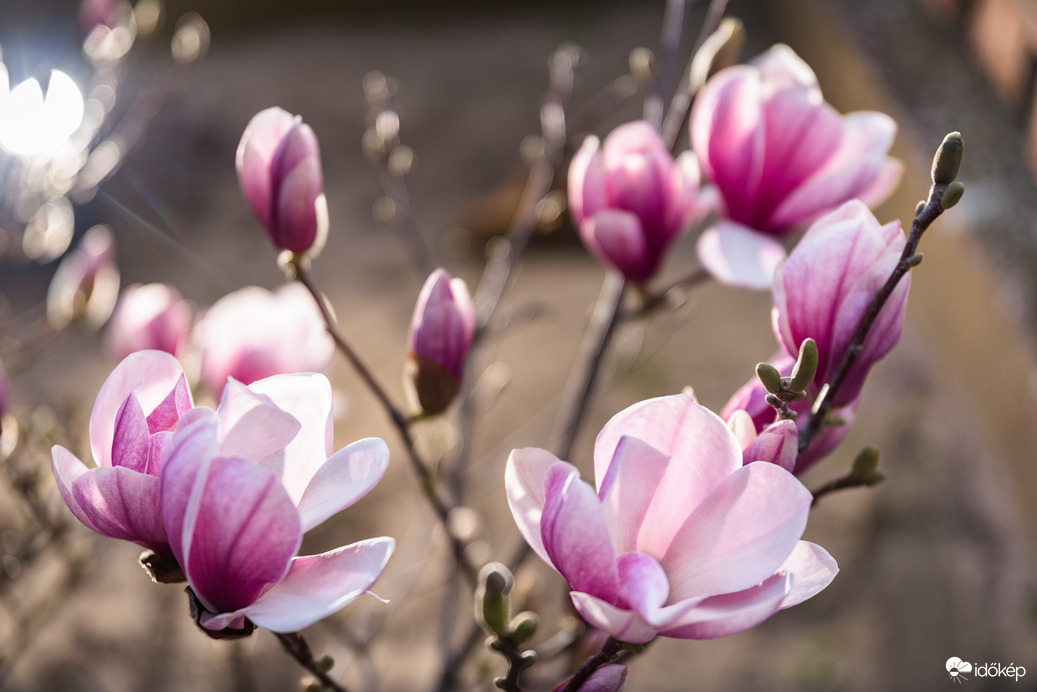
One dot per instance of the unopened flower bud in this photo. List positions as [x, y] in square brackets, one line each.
[769, 377]
[947, 159]
[491, 598]
[806, 367]
[279, 170]
[523, 626]
[952, 195]
[865, 466]
[440, 337]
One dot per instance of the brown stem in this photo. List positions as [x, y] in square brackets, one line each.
[606, 655]
[842, 483]
[297, 648]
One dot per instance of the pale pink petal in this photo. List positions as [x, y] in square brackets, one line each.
[307, 398]
[246, 532]
[624, 625]
[575, 534]
[67, 468]
[643, 586]
[524, 483]
[627, 490]
[155, 372]
[742, 425]
[345, 477]
[740, 534]
[617, 238]
[586, 182]
[778, 444]
[730, 613]
[781, 68]
[121, 503]
[318, 585]
[254, 156]
[812, 569]
[703, 452]
[738, 256]
[254, 427]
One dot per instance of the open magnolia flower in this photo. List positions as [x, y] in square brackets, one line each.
[240, 487]
[131, 427]
[780, 156]
[679, 538]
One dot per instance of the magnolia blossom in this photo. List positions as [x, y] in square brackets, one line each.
[253, 333]
[781, 157]
[678, 537]
[240, 487]
[131, 427]
[151, 316]
[630, 199]
[754, 423]
[86, 285]
[279, 170]
[825, 287]
[441, 334]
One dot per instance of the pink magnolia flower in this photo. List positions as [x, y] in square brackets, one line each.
[781, 157]
[240, 487]
[824, 288]
[630, 200]
[131, 427]
[441, 333]
[749, 406]
[86, 285]
[151, 316]
[253, 333]
[279, 170]
[680, 539]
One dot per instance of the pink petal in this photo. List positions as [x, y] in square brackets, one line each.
[297, 222]
[524, 484]
[740, 534]
[318, 585]
[703, 452]
[617, 238]
[730, 613]
[627, 490]
[189, 453]
[246, 531]
[254, 156]
[254, 427]
[625, 625]
[575, 534]
[778, 444]
[121, 503]
[167, 413]
[812, 570]
[345, 477]
[155, 372]
[643, 586]
[738, 256]
[130, 443]
[307, 398]
[608, 678]
[586, 182]
[67, 468]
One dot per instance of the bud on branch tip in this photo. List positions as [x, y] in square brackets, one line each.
[947, 159]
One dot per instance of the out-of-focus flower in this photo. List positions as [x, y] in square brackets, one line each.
[103, 13]
[681, 538]
[826, 285]
[149, 316]
[253, 333]
[131, 427]
[240, 487]
[751, 400]
[441, 332]
[85, 287]
[781, 157]
[279, 170]
[630, 200]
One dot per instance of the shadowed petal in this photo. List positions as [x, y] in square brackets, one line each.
[166, 414]
[608, 678]
[624, 625]
[254, 156]
[253, 426]
[318, 585]
[344, 478]
[130, 442]
[124, 504]
[740, 534]
[720, 616]
[67, 468]
[627, 490]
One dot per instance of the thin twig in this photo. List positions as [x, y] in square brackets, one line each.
[670, 40]
[850, 480]
[608, 652]
[297, 648]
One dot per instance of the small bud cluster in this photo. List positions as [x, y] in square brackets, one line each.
[783, 391]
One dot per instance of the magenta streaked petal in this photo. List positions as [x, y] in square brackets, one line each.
[318, 585]
[253, 158]
[160, 444]
[608, 678]
[778, 443]
[121, 503]
[165, 416]
[616, 237]
[575, 534]
[643, 586]
[155, 372]
[738, 256]
[189, 453]
[524, 483]
[703, 452]
[624, 625]
[812, 570]
[130, 443]
[628, 488]
[730, 613]
[740, 534]
[246, 531]
[345, 477]
[297, 218]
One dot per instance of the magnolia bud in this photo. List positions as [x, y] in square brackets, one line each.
[952, 195]
[523, 626]
[805, 368]
[947, 159]
[865, 466]
[491, 598]
[769, 377]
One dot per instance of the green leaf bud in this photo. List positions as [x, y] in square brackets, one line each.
[769, 376]
[952, 195]
[947, 159]
[865, 466]
[523, 626]
[491, 598]
[805, 368]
